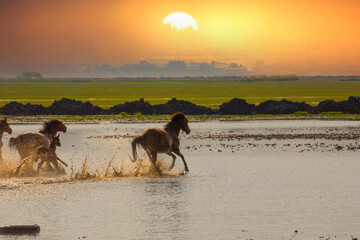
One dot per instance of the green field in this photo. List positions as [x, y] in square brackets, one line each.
[207, 92]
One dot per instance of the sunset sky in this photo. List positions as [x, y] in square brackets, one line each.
[310, 37]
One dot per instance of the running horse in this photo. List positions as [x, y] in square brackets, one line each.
[4, 127]
[164, 140]
[45, 154]
[25, 143]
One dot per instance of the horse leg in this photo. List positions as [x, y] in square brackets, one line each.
[23, 154]
[23, 161]
[64, 163]
[39, 166]
[1, 144]
[48, 166]
[173, 162]
[177, 152]
[1, 158]
[153, 158]
[54, 162]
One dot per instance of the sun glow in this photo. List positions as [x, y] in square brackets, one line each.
[181, 21]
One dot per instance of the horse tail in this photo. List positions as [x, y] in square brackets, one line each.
[134, 142]
[13, 142]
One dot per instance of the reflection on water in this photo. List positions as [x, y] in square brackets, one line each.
[244, 189]
[164, 213]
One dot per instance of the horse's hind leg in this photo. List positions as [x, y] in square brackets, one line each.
[39, 166]
[1, 158]
[153, 158]
[23, 154]
[177, 151]
[48, 166]
[23, 161]
[56, 165]
[173, 162]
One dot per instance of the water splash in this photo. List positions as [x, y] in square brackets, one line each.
[7, 169]
[113, 170]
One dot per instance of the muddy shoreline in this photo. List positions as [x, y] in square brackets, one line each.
[16, 120]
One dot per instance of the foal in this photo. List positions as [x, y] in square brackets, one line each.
[45, 154]
[4, 127]
[48, 154]
[164, 140]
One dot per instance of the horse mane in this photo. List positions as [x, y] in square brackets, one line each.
[174, 121]
[48, 126]
[2, 123]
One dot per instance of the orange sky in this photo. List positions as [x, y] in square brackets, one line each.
[307, 34]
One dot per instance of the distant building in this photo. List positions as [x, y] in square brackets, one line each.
[176, 66]
[233, 65]
[144, 66]
[141, 67]
[206, 67]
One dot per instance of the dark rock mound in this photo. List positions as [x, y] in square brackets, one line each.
[72, 107]
[328, 106]
[185, 107]
[352, 105]
[282, 107]
[132, 107]
[19, 109]
[237, 106]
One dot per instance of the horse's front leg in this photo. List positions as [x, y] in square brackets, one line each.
[173, 162]
[176, 150]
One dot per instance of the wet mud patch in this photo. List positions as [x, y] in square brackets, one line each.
[327, 139]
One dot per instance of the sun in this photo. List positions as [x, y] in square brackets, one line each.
[181, 21]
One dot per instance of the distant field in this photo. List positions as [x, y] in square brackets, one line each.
[207, 92]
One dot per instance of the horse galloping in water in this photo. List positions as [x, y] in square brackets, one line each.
[164, 140]
[4, 127]
[49, 154]
[25, 143]
[45, 154]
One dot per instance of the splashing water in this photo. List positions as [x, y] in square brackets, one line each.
[7, 169]
[142, 168]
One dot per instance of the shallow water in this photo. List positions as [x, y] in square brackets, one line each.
[235, 189]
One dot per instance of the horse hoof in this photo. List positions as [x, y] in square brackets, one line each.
[186, 170]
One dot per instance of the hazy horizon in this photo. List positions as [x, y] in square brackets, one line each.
[300, 37]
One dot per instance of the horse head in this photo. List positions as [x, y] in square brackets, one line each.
[182, 121]
[4, 125]
[56, 140]
[53, 126]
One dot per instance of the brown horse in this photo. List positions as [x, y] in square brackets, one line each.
[45, 154]
[164, 140]
[4, 127]
[25, 143]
